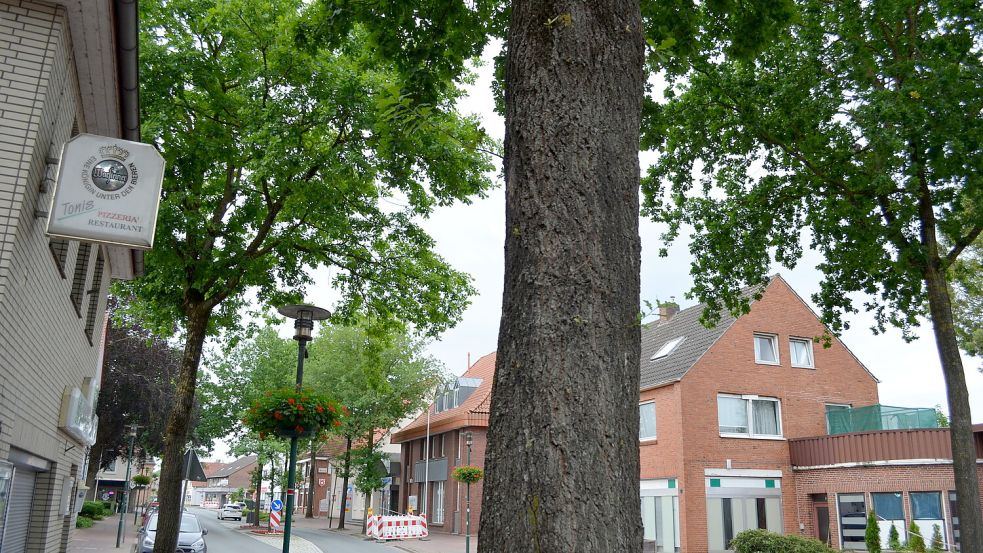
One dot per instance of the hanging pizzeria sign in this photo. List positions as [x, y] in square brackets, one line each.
[108, 190]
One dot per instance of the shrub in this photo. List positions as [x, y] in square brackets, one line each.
[763, 541]
[142, 480]
[83, 522]
[915, 540]
[872, 537]
[93, 510]
[893, 539]
[107, 507]
[936, 546]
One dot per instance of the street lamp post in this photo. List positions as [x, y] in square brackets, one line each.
[468, 440]
[304, 317]
[126, 487]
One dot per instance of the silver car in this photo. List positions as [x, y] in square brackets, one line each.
[191, 538]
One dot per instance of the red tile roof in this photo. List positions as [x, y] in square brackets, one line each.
[473, 412]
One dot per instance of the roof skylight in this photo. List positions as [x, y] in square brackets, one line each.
[668, 348]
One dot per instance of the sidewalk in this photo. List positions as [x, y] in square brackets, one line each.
[102, 536]
[438, 542]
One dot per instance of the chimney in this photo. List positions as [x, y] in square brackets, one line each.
[667, 310]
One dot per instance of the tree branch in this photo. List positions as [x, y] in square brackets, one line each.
[962, 244]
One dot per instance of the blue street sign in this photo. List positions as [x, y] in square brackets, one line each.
[387, 480]
[276, 505]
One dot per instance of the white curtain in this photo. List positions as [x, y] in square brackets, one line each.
[765, 417]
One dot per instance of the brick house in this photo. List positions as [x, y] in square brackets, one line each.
[742, 426]
[194, 490]
[227, 479]
[461, 406]
[735, 434]
[66, 67]
[328, 492]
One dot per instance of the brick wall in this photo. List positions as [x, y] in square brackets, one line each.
[455, 493]
[43, 345]
[729, 367]
[868, 479]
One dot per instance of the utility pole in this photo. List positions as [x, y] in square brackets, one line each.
[120, 530]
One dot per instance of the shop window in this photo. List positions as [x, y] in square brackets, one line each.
[926, 512]
[889, 510]
[729, 516]
[660, 522]
[853, 521]
[646, 421]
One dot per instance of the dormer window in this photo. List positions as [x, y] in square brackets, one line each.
[668, 348]
[766, 349]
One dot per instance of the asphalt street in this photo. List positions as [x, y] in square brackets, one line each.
[225, 537]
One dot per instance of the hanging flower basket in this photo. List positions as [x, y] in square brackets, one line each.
[468, 474]
[291, 414]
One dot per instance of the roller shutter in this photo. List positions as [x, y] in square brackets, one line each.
[19, 511]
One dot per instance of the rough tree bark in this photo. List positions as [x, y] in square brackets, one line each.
[344, 486]
[169, 494]
[562, 464]
[960, 418]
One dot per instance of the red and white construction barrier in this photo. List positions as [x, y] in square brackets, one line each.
[396, 527]
[274, 521]
[372, 526]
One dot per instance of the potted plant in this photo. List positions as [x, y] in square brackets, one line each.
[290, 413]
[468, 474]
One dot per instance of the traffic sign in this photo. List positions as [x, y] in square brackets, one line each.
[276, 505]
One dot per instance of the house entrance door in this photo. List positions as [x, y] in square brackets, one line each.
[822, 521]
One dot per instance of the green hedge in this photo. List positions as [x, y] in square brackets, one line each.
[83, 522]
[94, 510]
[763, 541]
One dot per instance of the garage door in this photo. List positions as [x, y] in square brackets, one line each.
[18, 515]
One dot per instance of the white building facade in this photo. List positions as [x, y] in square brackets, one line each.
[63, 71]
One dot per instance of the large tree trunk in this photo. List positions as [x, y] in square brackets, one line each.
[562, 456]
[344, 487]
[311, 479]
[171, 472]
[960, 417]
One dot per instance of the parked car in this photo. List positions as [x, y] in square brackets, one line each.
[230, 510]
[191, 536]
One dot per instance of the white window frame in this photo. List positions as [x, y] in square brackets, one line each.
[750, 399]
[668, 348]
[438, 502]
[791, 356]
[774, 348]
[655, 422]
